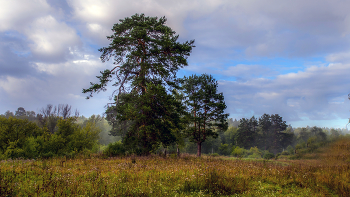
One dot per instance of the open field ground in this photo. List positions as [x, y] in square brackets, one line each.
[186, 176]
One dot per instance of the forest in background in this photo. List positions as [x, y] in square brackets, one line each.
[58, 131]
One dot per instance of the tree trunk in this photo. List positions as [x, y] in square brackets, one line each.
[199, 149]
[178, 151]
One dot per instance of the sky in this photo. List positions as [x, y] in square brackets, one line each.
[289, 57]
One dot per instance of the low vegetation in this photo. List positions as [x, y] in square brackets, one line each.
[93, 175]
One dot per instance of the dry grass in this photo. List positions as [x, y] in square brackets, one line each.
[186, 176]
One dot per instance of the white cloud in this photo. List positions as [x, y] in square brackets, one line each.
[83, 67]
[318, 93]
[341, 57]
[270, 28]
[63, 86]
[102, 15]
[51, 39]
[16, 14]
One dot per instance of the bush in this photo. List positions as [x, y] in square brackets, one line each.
[47, 155]
[84, 138]
[71, 155]
[277, 155]
[214, 155]
[225, 149]
[290, 150]
[56, 144]
[31, 148]
[254, 152]
[13, 151]
[16, 130]
[255, 156]
[238, 152]
[115, 149]
[268, 155]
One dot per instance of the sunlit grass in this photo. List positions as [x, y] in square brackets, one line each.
[186, 176]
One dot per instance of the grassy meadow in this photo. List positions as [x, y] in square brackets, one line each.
[326, 175]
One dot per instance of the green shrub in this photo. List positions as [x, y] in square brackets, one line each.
[284, 157]
[31, 148]
[277, 155]
[290, 149]
[13, 151]
[238, 152]
[98, 148]
[225, 149]
[16, 130]
[47, 155]
[86, 153]
[84, 138]
[173, 155]
[66, 127]
[71, 155]
[254, 152]
[115, 149]
[254, 156]
[268, 155]
[214, 155]
[55, 144]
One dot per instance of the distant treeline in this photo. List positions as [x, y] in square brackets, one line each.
[268, 135]
[57, 131]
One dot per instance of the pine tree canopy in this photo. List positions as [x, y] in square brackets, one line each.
[144, 50]
[205, 107]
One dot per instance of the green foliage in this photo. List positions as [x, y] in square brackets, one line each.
[268, 156]
[225, 149]
[205, 108]
[102, 124]
[290, 149]
[156, 124]
[66, 127]
[273, 139]
[214, 155]
[55, 144]
[268, 133]
[247, 132]
[147, 56]
[15, 131]
[22, 138]
[115, 149]
[84, 138]
[228, 137]
[254, 152]
[145, 49]
[13, 150]
[31, 147]
[238, 152]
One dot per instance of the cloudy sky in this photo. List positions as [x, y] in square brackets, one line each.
[289, 57]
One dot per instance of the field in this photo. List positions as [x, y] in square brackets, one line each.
[329, 175]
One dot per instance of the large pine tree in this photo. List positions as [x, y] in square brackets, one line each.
[147, 56]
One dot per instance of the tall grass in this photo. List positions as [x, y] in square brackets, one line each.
[186, 176]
